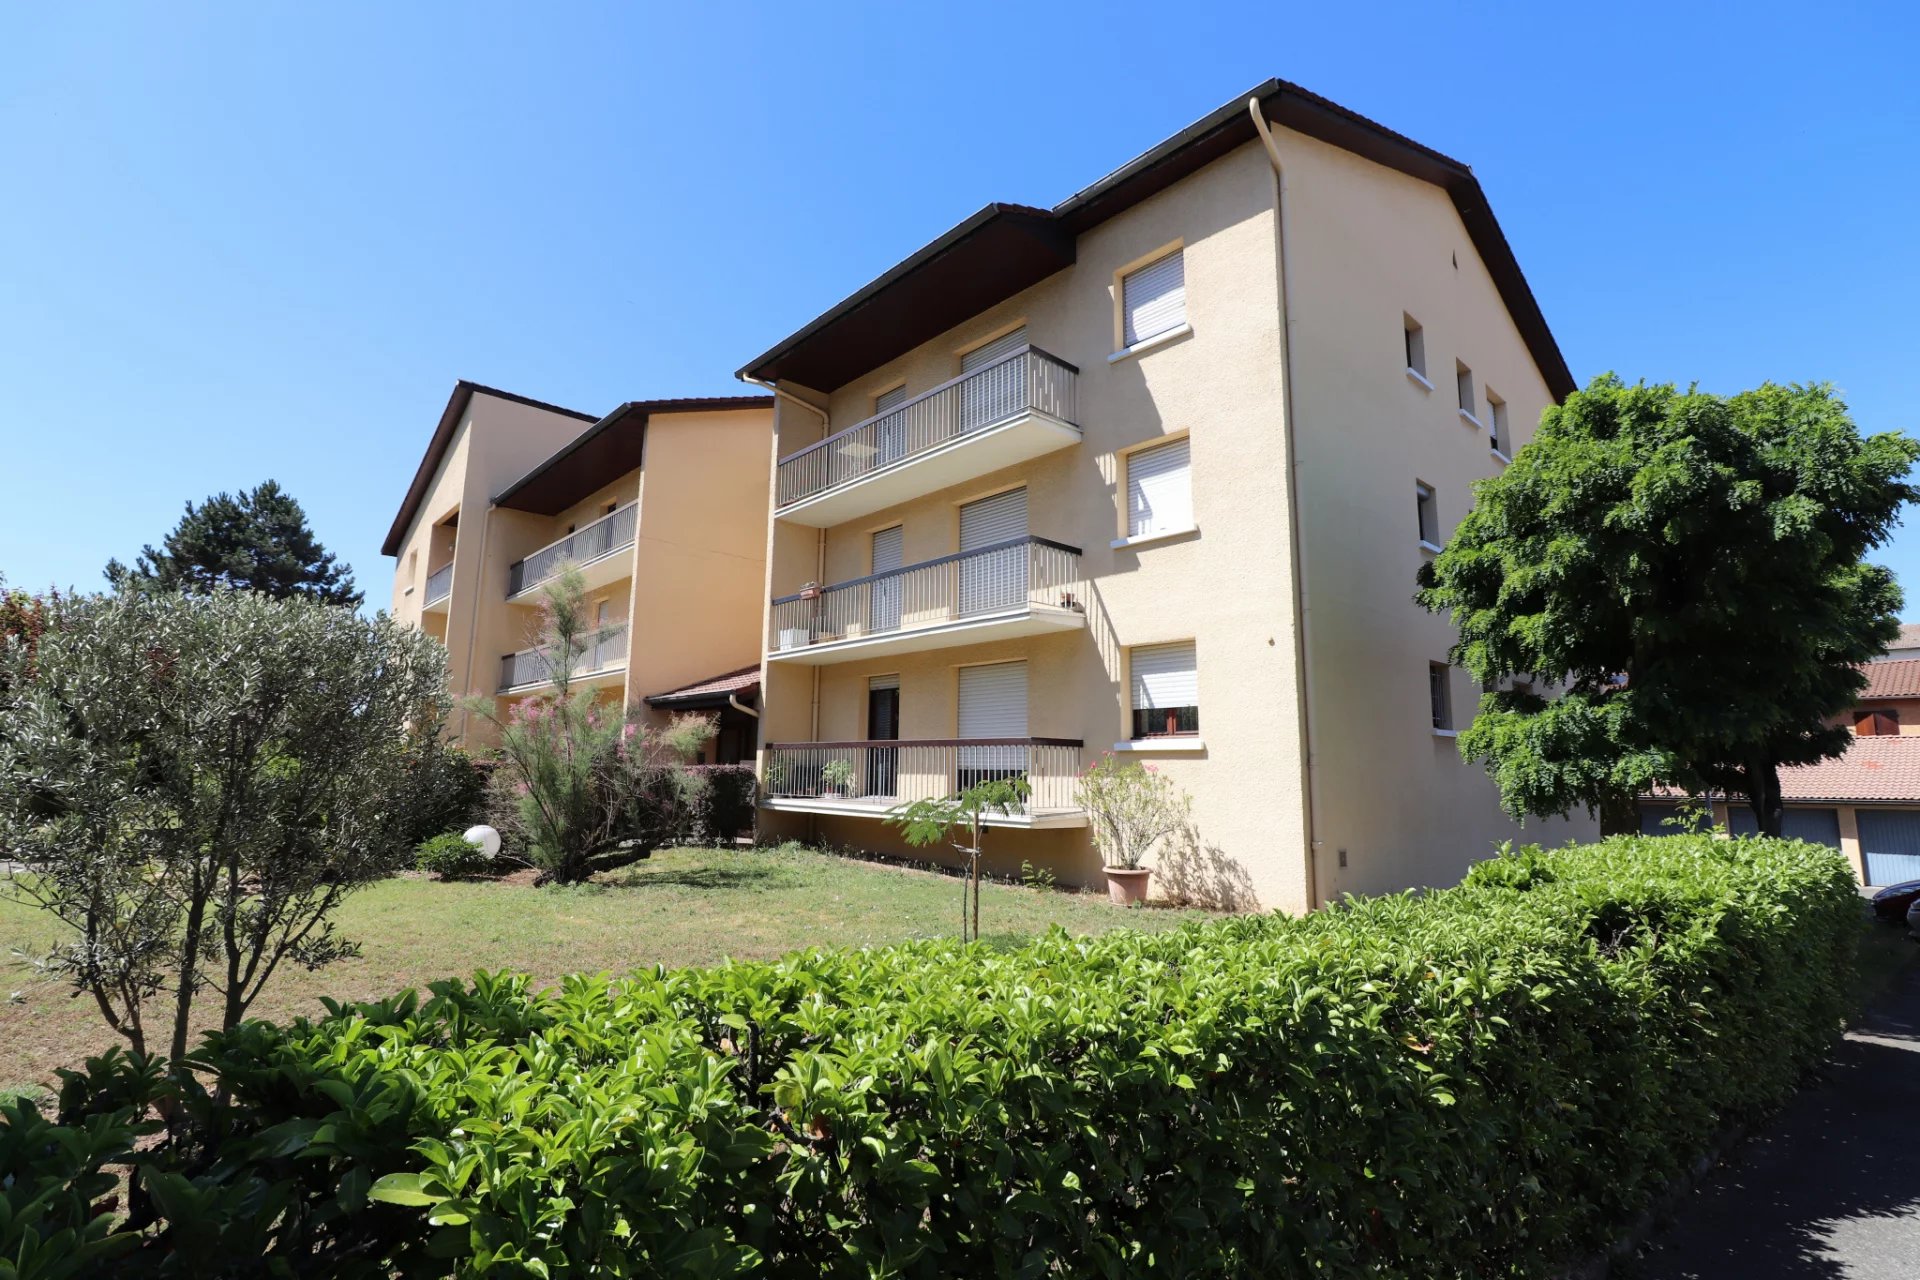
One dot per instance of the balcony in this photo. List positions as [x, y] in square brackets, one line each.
[530, 668]
[866, 779]
[591, 548]
[1017, 408]
[1024, 587]
[439, 587]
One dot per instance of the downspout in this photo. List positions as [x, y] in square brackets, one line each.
[1296, 562]
[739, 706]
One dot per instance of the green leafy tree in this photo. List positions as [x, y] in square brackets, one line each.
[258, 541]
[195, 782]
[577, 776]
[1678, 580]
[23, 620]
[961, 820]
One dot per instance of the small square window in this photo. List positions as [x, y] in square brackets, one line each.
[1153, 298]
[1463, 379]
[1426, 507]
[1159, 490]
[1166, 690]
[1416, 347]
[888, 401]
[1440, 693]
[1497, 423]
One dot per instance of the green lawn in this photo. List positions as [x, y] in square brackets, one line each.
[681, 907]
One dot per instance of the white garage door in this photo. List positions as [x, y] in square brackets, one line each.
[1890, 845]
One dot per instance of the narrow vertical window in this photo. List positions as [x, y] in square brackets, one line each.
[1159, 490]
[1497, 424]
[1441, 696]
[1416, 348]
[1463, 379]
[1153, 299]
[1427, 510]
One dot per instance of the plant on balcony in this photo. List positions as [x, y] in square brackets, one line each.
[578, 777]
[838, 775]
[1133, 807]
[962, 817]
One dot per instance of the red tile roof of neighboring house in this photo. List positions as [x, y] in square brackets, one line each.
[1909, 637]
[1881, 769]
[714, 690]
[1893, 678]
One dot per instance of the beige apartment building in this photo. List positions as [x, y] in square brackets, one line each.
[1151, 472]
[660, 504]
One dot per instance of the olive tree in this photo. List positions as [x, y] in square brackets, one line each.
[194, 783]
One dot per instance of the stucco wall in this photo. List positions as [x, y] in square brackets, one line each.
[1366, 246]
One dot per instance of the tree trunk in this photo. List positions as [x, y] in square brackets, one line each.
[1763, 794]
[189, 964]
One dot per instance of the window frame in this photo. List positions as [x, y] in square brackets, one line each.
[1124, 348]
[1414, 347]
[1426, 502]
[1169, 713]
[1465, 393]
[1497, 439]
[1440, 700]
[1128, 538]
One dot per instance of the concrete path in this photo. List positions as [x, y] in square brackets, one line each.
[1831, 1189]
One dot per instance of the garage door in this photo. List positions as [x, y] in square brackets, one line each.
[1815, 826]
[1890, 845]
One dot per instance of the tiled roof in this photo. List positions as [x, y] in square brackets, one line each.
[741, 683]
[1909, 636]
[1893, 678]
[1874, 768]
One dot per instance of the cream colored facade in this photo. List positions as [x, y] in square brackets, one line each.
[658, 506]
[1316, 769]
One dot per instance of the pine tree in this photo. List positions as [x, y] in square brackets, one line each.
[258, 541]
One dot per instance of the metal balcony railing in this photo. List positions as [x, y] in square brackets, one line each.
[880, 773]
[439, 584]
[583, 546]
[531, 667]
[1027, 381]
[1005, 577]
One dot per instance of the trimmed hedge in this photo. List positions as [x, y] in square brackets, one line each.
[1482, 1081]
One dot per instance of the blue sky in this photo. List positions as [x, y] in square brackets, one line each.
[264, 242]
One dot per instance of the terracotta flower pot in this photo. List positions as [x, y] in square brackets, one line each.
[1127, 885]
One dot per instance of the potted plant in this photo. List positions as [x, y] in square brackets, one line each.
[1133, 807]
[838, 775]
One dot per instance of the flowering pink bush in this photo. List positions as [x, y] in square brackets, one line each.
[1133, 806]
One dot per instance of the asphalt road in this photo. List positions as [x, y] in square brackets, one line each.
[1832, 1189]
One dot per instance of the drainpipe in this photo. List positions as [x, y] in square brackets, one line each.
[737, 705]
[1296, 561]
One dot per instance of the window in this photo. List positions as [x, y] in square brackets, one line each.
[1463, 379]
[1426, 507]
[1497, 424]
[1878, 723]
[1416, 349]
[1153, 299]
[887, 401]
[413, 567]
[1166, 690]
[1441, 695]
[611, 507]
[1159, 490]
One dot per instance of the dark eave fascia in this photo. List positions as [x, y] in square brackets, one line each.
[597, 457]
[463, 393]
[1195, 146]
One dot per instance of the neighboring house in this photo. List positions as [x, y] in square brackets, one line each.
[1866, 803]
[1151, 472]
[660, 505]
[1906, 647]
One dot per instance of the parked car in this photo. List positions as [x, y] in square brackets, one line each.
[1894, 902]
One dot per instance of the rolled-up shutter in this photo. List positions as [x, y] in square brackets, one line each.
[1164, 675]
[1000, 518]
[887, 400]
[1159, 490]
[993, 701]
[1154, 298]
[982, 356]
[997, 579]
[883, 597]
[886, 550]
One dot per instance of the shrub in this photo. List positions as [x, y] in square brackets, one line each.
[719, 802]
[1476, 1082]
[449, 791]
[451, 855]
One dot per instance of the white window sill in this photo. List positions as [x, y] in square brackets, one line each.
[1416, 376]
[1504, 459]
[1161, 744]
[1145, 345]
[1469, 419]
[407, 592]
[1433, 547]
[1148, 539]
[1446, 733]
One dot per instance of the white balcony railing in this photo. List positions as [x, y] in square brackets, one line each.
[583, 546]
[439, 584]
[1027, 381]
[878, 774]
[1008, 576]
[530, 667]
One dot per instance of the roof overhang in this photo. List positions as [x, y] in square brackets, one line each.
[1006, 248]
[463, 393]
[611, 447]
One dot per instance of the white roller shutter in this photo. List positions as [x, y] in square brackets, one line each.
[888, 400]
[1000, 518]
[883, 682]
[886, 550]
[993, 701]
[996, 580]
[982, 356]
[1159, 490]
[1154, 298]
[1164, 675]
[883, 598]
